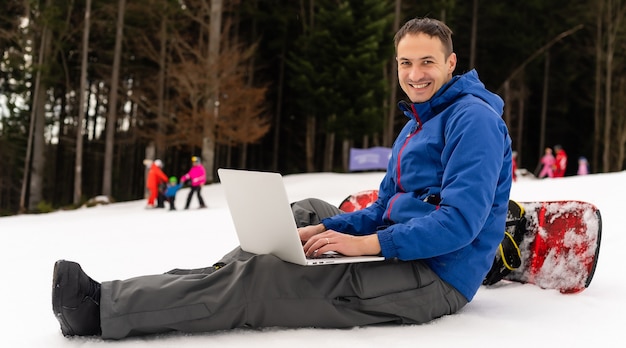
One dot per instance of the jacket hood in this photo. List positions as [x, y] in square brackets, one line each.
[457, 87]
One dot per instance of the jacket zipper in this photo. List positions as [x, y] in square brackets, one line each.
[412, 133]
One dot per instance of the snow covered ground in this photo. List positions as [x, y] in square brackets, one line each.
[123, 240]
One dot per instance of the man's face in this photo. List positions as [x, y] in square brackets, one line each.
[422, 66]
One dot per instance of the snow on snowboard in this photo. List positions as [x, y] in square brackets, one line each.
[552, 244]
[561, 245]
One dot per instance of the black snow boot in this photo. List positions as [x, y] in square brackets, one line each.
[75, 300]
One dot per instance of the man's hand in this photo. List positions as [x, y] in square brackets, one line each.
[342, 243]
[309, 231]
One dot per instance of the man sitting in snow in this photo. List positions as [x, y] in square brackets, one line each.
[438, 221]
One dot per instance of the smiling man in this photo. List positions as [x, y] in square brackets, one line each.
[425, 62]
[443, 201]
[438, 221]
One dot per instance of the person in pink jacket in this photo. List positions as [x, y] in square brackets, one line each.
[548, 162]
[197, 178]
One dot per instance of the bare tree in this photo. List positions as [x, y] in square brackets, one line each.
[614, 14]
[472, 62]
[35, 160]
[279, 101]
[161, 117]
[82, 101]
[112, 115]
[620, 109]
[506, 84]
[212, 105]
[311, 124]
[242, 117]
[544, 102]
[393, 85]
[597, 99]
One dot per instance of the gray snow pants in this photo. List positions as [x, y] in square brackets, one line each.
[257, 291]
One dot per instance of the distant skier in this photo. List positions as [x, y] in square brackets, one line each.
[583, 166]
[197, 178]
[547, 162]
[560, 162]
[156, 177]
[170, 193]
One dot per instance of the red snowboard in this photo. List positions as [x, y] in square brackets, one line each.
[359, 200]
[560, 247]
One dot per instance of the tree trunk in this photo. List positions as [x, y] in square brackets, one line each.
[160, 134]
[473, 38]
[82, 102]
[608, 116]
[212, 105]
[279, 104]
[621, 115]
[520, 124]
[521, 106]
[597, 113]
[393, 86]
[39, 148]
[615, 14]
[345, 151]
[243, 150]
[112, 112]
[243, 155]
[544, 103]
[35, 159]
[329, 150]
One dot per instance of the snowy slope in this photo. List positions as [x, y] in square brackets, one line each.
[123, 240]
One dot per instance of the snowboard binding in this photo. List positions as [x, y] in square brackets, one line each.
[509, 257]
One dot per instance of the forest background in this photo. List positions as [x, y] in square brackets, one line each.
[89, 89]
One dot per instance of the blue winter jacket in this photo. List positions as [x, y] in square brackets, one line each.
[456, 147]
[172, 189]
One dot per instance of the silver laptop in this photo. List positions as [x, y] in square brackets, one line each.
[262, 216]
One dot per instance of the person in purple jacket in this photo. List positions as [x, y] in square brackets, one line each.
[438, 221]
[196, 177]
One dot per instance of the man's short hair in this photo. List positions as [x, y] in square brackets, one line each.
[430, 27]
